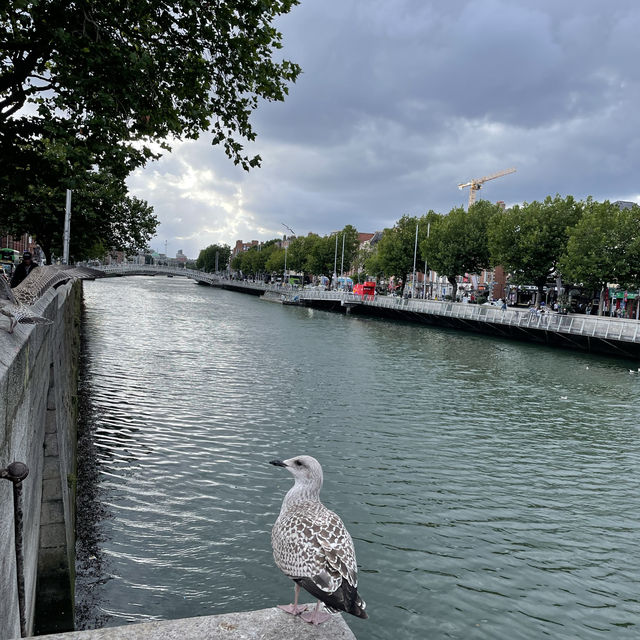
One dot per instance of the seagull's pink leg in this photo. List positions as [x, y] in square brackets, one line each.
[294, 609]
[317, 617]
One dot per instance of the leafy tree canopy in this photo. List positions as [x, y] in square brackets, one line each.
[125, 72]
[395, 251]
[457, 243]
[90, 91]
[529, 240]
[207, 258]
[604, 246]
[253, 261]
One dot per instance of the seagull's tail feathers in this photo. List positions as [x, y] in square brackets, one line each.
[344, 598]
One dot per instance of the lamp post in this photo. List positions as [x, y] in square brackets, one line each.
[284, 275]
[342, 263]
[424, 292]
[293, 233]
[415, 253]
[335, 264]
[67, 229]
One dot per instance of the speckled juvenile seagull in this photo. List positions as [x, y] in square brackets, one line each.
[312, 546]
[11, 307]
[16, 303]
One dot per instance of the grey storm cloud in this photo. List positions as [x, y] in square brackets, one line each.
[400, 101]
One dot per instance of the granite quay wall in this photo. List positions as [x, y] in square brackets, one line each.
[38, 411]
[265, 624]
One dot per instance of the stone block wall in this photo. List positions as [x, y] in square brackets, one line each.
[38, 383]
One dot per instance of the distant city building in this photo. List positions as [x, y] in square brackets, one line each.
[21, 243]
[180, 257]
[365, 238]
[242, 246]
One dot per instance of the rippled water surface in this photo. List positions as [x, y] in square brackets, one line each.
[491, 487]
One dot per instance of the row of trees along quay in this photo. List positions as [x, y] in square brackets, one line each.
[586, 243]
[92, 91]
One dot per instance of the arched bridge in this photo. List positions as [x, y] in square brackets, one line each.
[212, 279]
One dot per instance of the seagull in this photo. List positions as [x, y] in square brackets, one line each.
[16, 303]
[15, 310]
[312, 546]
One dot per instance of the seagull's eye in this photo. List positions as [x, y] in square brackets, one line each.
[299, 463]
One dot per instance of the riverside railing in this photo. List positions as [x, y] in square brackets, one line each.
[593, 326]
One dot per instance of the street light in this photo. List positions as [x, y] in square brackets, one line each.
[293, 233]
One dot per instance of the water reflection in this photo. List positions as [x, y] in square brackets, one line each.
[491, 486]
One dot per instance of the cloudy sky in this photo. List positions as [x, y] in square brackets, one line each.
[400, 101]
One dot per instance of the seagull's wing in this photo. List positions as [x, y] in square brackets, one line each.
[43, 278]
[6, 292]
[313, 543]
[333, 573]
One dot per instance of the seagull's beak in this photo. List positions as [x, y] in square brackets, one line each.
[277, 463]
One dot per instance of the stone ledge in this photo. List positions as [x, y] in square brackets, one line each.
[265, 624]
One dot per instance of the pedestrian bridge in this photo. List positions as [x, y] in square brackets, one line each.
[153, 270]
[610, 336]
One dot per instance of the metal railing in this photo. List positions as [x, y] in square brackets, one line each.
[603, 327]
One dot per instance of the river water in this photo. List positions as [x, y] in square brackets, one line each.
[491, 487]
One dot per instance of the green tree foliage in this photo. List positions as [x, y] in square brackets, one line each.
[104, 217]
[275, 262]
[395, 251]
[457, 243]
[604, 247]
[529, 240]
[319, 255]
[90, 91]
[321, 258]
[124, 72]
[207, 258]
[253, 262]
[348, 239]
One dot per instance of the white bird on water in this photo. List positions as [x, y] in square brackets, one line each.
[312, 546]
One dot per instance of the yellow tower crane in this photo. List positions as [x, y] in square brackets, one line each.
[476, 184]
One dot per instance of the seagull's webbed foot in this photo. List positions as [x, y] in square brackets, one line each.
[316, 616]
[293, 609]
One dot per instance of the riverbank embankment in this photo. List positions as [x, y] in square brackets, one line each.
[38, 410]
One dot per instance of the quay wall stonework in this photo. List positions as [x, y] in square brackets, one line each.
[38, 415]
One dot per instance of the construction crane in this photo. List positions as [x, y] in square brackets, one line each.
[476, 184]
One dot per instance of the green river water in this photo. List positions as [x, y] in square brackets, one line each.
[491, 487]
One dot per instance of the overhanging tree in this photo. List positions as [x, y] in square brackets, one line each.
[125, 72]
[108, 84]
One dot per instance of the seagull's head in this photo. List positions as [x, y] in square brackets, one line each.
[305, 469]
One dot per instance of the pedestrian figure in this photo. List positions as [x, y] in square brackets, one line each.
[23, 269]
